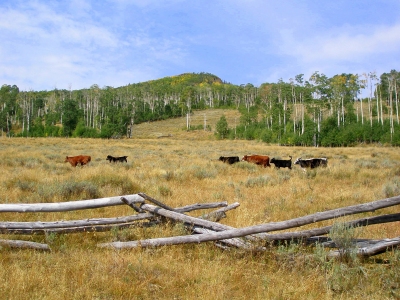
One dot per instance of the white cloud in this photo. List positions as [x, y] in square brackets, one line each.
[115, 42]
[346, 45]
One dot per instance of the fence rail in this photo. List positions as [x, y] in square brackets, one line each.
[204, 228]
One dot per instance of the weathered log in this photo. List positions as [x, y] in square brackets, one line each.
[198, 206]
[89, 225]
[214, 216]
[132, 204]
[24, 245]
[307, 234]
[184, 218]
[73, 223]
[156, 202]
[236, 242]
[233, 233]
[94, 228]
[219, 214]
[378, 248]
[68, 206]
[325, 230]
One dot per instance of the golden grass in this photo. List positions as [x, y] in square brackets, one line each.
[181, 170]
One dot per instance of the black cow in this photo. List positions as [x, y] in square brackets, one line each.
[311, 162]
[282, 163]
[117, 159]
[229, 159]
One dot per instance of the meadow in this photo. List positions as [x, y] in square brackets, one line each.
[179, 170]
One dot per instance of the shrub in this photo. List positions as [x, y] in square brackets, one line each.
[258, 181]
[343, 235]
[203, 173]
[22, 184]
[68, 190]
[164, 191]
[120, 181]
[392, 188]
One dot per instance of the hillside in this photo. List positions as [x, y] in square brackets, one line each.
[291, 114]
[182, 80]
[177, 126]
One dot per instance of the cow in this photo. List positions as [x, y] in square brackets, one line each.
[76, 160]
[229, 159]
[257, 159]
[311, 162]
[117, 159]
[282, 163]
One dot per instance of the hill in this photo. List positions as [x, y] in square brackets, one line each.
[182, 80]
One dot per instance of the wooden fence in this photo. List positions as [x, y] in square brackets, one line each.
[204, 228]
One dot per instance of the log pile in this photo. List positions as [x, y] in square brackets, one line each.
[205, 228]
[249, 237]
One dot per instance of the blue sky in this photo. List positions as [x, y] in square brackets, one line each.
[74, 44]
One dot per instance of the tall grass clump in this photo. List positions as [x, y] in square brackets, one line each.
[343, 278]
[116, 181]
[68, 190]
[258, 181]
[389, 276]
[22, 183]
[202, 172]
[366, 163]
[392, 188]
[164, 191]
[283, 176]
[251, 168]
[169, 175]
[347, 273]
[344, 235]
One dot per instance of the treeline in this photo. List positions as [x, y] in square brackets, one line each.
[319, 111]
[322, 111]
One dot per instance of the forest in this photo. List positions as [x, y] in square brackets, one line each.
[344, 110]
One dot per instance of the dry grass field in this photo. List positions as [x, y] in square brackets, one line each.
[179, 170]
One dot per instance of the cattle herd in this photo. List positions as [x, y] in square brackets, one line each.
[264, 160]
[85, 159]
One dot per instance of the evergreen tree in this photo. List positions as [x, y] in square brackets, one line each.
[222, 129]
[70, 116]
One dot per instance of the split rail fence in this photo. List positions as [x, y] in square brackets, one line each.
[205, 228]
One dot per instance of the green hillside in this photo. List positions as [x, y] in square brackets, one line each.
[319, 111]
[175, 128]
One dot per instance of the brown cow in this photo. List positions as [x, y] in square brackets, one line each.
[76, 160]
[257, 159]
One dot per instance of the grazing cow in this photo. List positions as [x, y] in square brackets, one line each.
[311, 162]
[117, 159]
[229, 159]
[282, 163]
[257, 159]
[76, 160]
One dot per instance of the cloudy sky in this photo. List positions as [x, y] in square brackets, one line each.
[47, 44]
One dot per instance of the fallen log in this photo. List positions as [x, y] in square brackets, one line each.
[274, 226]
[90, 225]
[325, 230]
[24, 245]
[235, 242]
[156, 202]
[219, 214]
[364, 252]
[184, 218]
[42, 227]
[183, 209]
[68, 206]
[198, 206]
